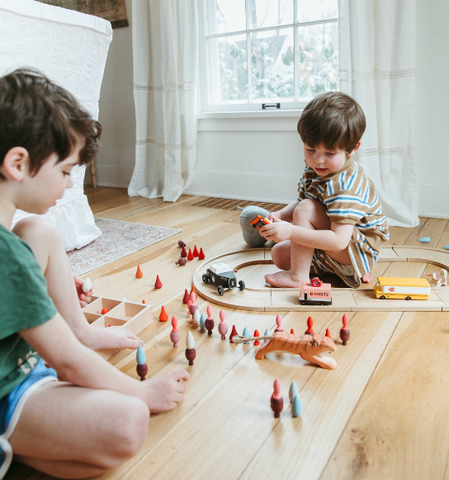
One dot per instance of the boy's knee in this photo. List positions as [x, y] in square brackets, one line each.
[130, 430]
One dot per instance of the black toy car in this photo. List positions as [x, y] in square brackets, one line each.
[223, 277]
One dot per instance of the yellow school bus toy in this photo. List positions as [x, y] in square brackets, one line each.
[403, 288]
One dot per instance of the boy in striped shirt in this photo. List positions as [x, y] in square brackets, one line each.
[337, 225]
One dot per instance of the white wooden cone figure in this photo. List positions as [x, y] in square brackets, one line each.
[190, 341]
[87, 285]
[197, 316]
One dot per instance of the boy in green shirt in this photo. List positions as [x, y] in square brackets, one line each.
[100, 417]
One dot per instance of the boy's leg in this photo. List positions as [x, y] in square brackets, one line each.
[308, 214]
[73, 432]
[47, 245]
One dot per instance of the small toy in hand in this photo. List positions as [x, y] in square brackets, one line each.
[259, 221]
[87, 285]
[221, 275]
[190, 350]
[142, 367]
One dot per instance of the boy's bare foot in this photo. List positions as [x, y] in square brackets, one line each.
[367, 277]
[285, 279]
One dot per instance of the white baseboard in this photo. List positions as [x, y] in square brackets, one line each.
[433, 201]
[257, 187]
[111, 176]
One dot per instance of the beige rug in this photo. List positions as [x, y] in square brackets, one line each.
[118, 239]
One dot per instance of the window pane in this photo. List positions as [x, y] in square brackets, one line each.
[270, 13]
[272, 64]
[317, 59]
[310, 11]
[225, 16]
[228, 78]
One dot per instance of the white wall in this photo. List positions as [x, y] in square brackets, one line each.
[260, 159]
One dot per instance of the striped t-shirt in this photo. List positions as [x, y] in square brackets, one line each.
[350, 198]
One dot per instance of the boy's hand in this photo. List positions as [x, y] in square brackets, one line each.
[274, 215]
[84, 297]
[162, 394]
[112, 337]
[278, 231]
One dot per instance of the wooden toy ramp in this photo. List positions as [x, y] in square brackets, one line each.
[252, 264]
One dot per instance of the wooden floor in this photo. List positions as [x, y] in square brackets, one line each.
[382, 414]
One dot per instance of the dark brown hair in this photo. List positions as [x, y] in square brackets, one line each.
[332, 119]
[43, 118]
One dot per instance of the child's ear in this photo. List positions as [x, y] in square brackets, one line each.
[355, 149]
[15, 163]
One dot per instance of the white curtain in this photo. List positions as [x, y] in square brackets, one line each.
[165, 56]
[377, 68]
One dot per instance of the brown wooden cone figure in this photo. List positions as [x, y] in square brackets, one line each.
[190, 255]
[201, 255]
[181, 261]
[209, 323]
[139, 273]
[256, 334]
[190, 350]
[233, 333]
[183, 252]
[309, 330]
[142, 370]
[344, 332]
[158, 283]
[195, 251]
[181, 243]
[277, 402]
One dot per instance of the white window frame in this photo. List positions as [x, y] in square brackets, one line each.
[207, 110]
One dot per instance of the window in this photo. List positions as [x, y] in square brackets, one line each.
[267, 52]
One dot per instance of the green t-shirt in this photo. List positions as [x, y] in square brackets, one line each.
[24, 303]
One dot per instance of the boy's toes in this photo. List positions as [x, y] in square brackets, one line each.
[367, 277]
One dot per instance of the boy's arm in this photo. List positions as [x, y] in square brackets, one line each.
[55, 342]
[336, 239]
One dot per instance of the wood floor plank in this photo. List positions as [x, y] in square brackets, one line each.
[428, 227]
[398, 430]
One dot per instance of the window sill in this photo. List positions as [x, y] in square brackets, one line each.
[250, 114]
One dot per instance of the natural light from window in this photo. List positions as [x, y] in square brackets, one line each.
[269, 51]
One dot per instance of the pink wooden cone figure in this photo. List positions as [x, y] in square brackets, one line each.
[175, 335]
[277, 402]
[193, 305]
[189, 302]
[278, 323]
[309, 330]
[344, 332]
[209, 321]
[186, 297]
[222, 327]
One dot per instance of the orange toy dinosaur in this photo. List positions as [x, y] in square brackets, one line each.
[312, 348]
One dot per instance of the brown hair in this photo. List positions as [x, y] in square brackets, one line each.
[43, 118]
[332, 119]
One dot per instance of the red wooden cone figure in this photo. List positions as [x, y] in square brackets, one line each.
[233, 332]
[277, 402]
[328, 333]
[195, 251]
[183, 252]
[104, 311]
[143, 301]
[181, 243]
[139, 273]
[190, 255]
[186, 297]
[201, 255]
[163, 317]
[344, 332]
[292, 331]
[158, 283]
[278, 324]
[256, 334]
[309, 330]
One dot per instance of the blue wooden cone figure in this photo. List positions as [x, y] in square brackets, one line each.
[140, 356]
[246, 334]
[267, 333]
[203, 322]
[293, 391]
[296, 407]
